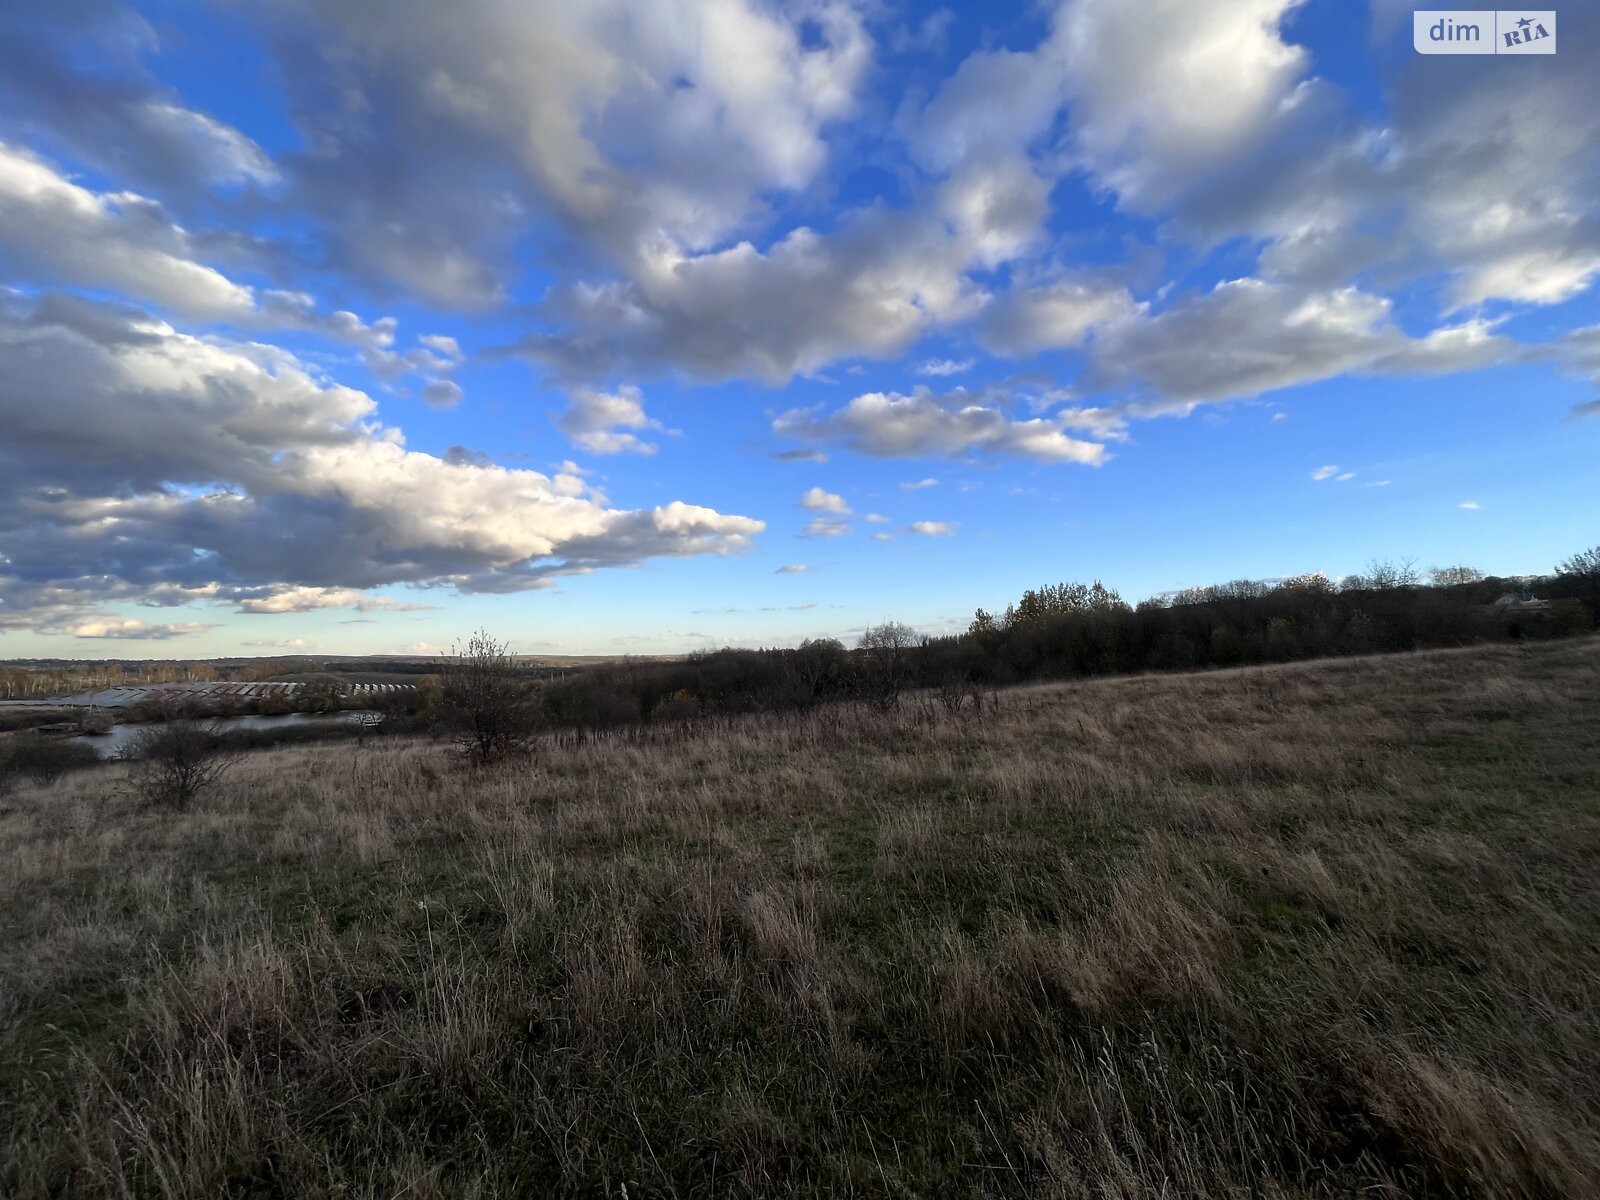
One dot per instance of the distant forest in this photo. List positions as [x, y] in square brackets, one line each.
[1071, 630]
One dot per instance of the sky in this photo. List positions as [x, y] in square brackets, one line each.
[336, 327]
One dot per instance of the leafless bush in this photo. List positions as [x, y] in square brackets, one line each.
[175, 762]
[953, 691]
[40, 758]
[492, 711]
[886, 668]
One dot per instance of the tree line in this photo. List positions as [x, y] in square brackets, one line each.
[1058, 631]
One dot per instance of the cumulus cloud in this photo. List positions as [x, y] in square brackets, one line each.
[281, 599]
[1053, 316]
[601, 422]
[75, 82]
[818, 500]
[921, 425]
[241, 474]
[442, 393]
[871, 287]
[940, 367]
[1486, 177]
[620, 125]
[1169, 96]
[53, 230]
[133, 629]
[442, 344]
[1249, 336]
[932, 528]
[826, 527]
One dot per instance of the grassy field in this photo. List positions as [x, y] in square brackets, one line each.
[1316, 930]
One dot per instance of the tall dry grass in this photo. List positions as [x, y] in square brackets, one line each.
[1319, 930]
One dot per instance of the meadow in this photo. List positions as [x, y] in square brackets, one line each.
[1307, 930]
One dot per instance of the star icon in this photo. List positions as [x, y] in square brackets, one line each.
[1525, 22]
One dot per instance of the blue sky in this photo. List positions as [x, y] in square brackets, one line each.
[619, 328]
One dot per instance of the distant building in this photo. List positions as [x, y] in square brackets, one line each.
[1523, 601]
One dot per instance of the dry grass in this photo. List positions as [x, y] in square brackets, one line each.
[1284, 932]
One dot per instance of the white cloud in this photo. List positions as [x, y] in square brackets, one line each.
[876, 519]
[924, 425]
[242, 475]
[630, 125]
[883, 537]
[1322, 473]
[932, 528]
[792, 569]
[918, 484]
[870, 287]
[441, 393]
[226, 155]
[1249, 336]
[1053, 316]
[1468, 504]
[940, 367]
[1168, 94]
[826, 527]
[442, 344]
[818, 500]
[131, 628]
[599, 421]
[54, 230]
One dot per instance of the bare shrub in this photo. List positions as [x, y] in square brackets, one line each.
[886, 663]
[489, 707]
[953, 691]
[175, 762]
[42, 759]
[96, 722]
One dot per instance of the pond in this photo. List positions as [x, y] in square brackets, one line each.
[112, 744]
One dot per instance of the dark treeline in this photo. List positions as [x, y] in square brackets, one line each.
[1069, 630]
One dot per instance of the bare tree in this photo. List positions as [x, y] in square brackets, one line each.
[819, 664]
[886, 662]
[1580, 576]
[176, 761]
[1454, 576]
[1387, 574]
[492, 710]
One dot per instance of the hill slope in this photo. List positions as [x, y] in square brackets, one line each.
[1286, 931]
